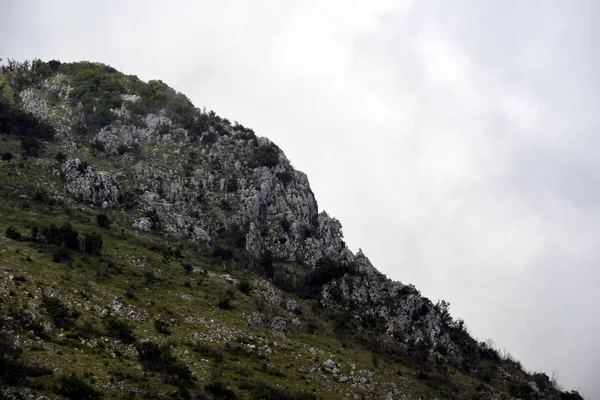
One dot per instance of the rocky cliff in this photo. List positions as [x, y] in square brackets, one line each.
[95, 140]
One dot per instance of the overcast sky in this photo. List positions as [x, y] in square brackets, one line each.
[456, 141]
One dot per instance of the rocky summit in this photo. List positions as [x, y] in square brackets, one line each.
[151, 249]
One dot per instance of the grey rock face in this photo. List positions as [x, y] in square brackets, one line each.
[143, 224]
[281, 325]
[89, 186]
[198, 189]
[33, 103]
[406, 315]
[257, 319]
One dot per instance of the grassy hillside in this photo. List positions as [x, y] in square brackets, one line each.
[149, 249]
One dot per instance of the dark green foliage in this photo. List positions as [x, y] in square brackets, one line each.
[60, 157]
[15, 122]
[74, 388]
[188, 268]
[98, 146]
[225, 205]
[521, 390]
[12, 233]
[103, 221]
[40, 196]
[162, 327]
[222, 253]
[31, 147]
[98, 88]
[23, 74]
[245, 133]
[123, 149]
[327, 270]
[61, 255]
[206, 350]
[220, 391]
[245, 287]
[209, 138]
[130, 291]
[119, 329]
[152, 215]
[443, 308]
[423, 310]
[225, 303]
[6, 156]
[285, 225]
[231, 185]
[58, 312]
[572, 395]
[83, 166]
[488, 352]
[92, 244]
[285, 177]
[408, 290]
[163, 129]
[265, 156]
[264, 265]
[61, 236]
[159, 359]
[234, 237]
[12, 369]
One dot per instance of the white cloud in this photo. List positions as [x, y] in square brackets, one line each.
[455, 141]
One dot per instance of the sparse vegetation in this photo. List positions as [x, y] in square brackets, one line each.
[265, 156]
[129, 298]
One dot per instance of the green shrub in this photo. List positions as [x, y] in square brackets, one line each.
[285, 177]
[572, 395]
[206, 350]
[152, 215]
[262, 390]
[245, 287]
[162, 327]
[12, 368]
[74, 388]
[265, 156]
[209, 138]
[60, 157]
[159, 359]
[6, 156]
[231, 185]
[92, 244]
[408, 290]
[98, 146]
[63, 236]
[12, 233]
[61, 255]
[119, 329]
[123, 149]
[15, 122]
[224, 303]
[219, 390]
[58, 312]
[188, 268]
[327, 270]
[103, 221]
[31, 147]
[222, 253]
[98, 88]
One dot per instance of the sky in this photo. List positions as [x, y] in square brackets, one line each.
[455, 141]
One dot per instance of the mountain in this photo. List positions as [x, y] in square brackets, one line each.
[155, 250]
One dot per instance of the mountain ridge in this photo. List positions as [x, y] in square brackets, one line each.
[228, 208]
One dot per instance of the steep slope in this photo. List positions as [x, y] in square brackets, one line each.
[153, 249]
